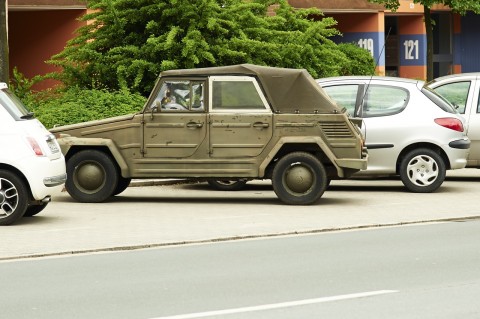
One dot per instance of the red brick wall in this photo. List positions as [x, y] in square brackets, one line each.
[34, 36]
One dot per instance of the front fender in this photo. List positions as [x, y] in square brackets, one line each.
[67, 143]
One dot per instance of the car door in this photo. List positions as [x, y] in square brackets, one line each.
[375, 104]
[473, 119]
[349, 96]
[240, 118]
[387, 127]
[463, 92]
[175, 124]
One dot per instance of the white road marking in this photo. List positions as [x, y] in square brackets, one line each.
[279, 305]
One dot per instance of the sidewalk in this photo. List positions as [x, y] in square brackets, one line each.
[175, 212]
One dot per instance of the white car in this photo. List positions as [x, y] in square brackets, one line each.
[32, 166]
[463, 90]
[409, 130]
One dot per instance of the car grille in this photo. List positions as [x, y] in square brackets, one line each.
[336, 130]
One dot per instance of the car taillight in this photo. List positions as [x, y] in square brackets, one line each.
[35, 147]
[451, 123]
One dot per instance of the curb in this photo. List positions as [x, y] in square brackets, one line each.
[234, 238]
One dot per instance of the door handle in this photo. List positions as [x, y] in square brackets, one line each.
[260, 125]
[194, 125]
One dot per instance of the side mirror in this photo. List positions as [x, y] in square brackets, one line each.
[155, 108]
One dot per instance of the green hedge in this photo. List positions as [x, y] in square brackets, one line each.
[75, 105]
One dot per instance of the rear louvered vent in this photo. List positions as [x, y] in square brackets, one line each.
[336, 130]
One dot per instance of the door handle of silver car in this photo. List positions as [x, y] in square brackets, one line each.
[260, 125]
[194, 125]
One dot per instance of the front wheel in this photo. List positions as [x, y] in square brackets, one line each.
[122, 185]
[14, 197]
[422, 170]
[92, 176]
[299, 178]
[227, 185]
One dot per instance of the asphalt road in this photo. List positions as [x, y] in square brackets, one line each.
[419, 271]
[177, 214]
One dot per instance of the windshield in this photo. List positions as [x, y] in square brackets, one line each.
[13, 105]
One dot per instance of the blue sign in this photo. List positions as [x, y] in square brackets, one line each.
[370, 41]
[413, 49]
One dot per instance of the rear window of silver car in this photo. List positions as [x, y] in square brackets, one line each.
[456, 93]
[14, 106]
[439, 100]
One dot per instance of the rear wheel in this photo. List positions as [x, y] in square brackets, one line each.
[14, 197]
[92, 176]
[299, 178]
[227, 185]
[422, 170]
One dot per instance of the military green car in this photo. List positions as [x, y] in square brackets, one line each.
[225, 125]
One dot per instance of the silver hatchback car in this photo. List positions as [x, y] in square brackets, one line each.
[463, 90]
[410, 131]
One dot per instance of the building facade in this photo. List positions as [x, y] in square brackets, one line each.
[397, 40]
[39, 29]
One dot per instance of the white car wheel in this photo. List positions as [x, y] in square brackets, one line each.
[422, 170]
[14, 198]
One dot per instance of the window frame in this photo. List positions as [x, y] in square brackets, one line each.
[154, 98]
[233, 78]
[364, 96]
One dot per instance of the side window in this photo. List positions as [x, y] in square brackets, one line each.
[478, 103]
[181, 96]
[344, 95]
[384, 100]
[455, 93]
[235, 95]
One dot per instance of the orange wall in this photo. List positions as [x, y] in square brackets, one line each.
[410, 26]
[413, 72]
[359, 22]
[34, 36]
[413, 24]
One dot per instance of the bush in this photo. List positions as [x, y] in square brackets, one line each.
[75, 105]
[360, 61]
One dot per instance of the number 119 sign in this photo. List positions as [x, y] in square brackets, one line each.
[367, 44]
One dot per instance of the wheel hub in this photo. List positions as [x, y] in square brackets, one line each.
[8, 197]
[89, 176]
[299, 179]
[423, 170]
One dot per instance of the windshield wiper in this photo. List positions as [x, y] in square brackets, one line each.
[29, 115]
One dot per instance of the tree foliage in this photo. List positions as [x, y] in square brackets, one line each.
[458, 6]
[128, 42]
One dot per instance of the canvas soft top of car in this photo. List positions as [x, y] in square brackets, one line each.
[288, 90]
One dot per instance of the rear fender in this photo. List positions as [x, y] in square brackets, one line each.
[300, 140]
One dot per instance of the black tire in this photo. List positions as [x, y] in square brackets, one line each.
[227, 185]
[299, 178]
[422, 170]
[92, 176]
[33, 210]
[14, 197]
[122, 185]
